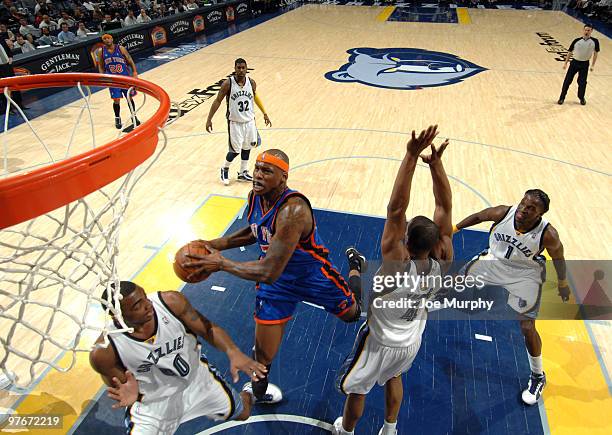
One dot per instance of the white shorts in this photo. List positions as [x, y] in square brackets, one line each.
[370, 362]
[209, 396]
[524, 286]
[242, 136]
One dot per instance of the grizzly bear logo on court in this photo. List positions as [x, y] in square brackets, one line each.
[403, 68]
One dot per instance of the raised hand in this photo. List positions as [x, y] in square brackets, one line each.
[436, 154]
[416, 145]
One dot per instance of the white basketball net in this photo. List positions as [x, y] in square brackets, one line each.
[54, 268]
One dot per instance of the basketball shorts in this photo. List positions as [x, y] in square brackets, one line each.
[320, 285]
[209, 395]
[370, 362]
[524, 285]
[117, 93]
[242, 136]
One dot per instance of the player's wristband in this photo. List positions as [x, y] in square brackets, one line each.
[563, 283]
[455, 229]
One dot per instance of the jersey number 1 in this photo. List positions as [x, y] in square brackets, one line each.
[508, 252]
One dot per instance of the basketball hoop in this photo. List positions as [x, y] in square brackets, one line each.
[60, 222]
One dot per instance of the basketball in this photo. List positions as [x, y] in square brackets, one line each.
[181, 258]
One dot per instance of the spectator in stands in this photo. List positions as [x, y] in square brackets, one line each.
[6, 70]
[41, 7]
[106, 23]
[118, 18]
[28, 31]
[176, 7]
[46, 38]
[130, 20]
[66, 19]
[47, 22]
[143, 17]
[23, 44]
[7, 36]
[66, 36]
[89, 6]
[82, 31]
[191, 5]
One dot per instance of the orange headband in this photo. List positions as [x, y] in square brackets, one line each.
[274, 161]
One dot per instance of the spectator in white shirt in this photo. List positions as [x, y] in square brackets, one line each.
[28, 31]
[143, 17]
[130, 20]
[191, 5]
[89, 6]
[25, 45]
[82, 31]
[47, 22]
[66, 19]
[66, 36]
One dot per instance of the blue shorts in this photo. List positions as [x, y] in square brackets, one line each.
[117, 93]
[319, 284]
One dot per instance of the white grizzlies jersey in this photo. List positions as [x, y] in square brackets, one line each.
[397, 319]
[240, 101]
[514, 249]
[166, 363]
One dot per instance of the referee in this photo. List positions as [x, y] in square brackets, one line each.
[582, 49]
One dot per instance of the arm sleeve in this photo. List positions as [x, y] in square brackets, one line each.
[571, 47]
[596, 41]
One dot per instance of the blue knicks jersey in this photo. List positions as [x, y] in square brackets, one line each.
[114, 62]
[310, 251]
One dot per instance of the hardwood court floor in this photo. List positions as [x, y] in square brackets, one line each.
[345, 139]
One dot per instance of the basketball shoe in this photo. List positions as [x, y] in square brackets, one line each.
[356, 259]
[225, 176]
[534, 388]
[244, 176]
[273, 394]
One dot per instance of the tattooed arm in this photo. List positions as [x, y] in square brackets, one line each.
[213, 334]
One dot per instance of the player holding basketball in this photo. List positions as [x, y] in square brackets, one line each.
[293, 266]
[240, 93]
[115, 59]
[389, 340]
[517, 238]
[158, 372]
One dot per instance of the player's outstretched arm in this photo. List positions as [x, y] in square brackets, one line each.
[122, 386]
[493, 214]
[225, 88]
[392, 246]
[293, 219]
[443, 197]
[213, 334]
[553, 245]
